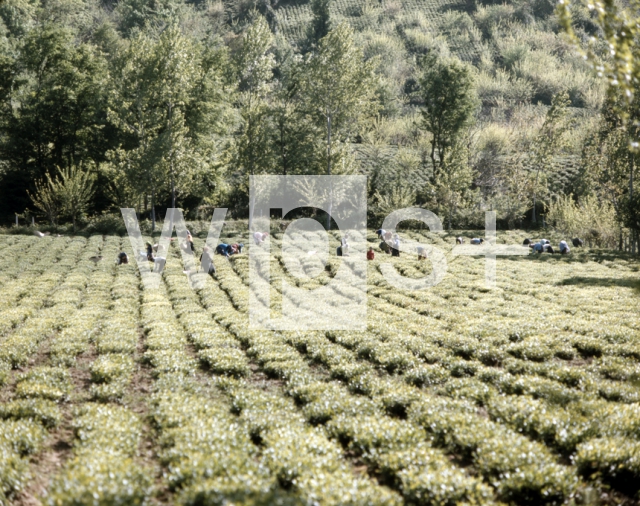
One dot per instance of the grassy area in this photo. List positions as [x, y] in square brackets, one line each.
[528, 393]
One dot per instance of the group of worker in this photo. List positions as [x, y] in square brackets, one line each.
[477, 241]
[155, 254]
[390, 244]
[544, 246]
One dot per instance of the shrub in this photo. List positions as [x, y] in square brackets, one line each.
[44, 411]
[616, 460]
[588, 347]
[24, 437]
[366, 435]
[424, 476]
[13, 471]
[588, 218]
[111, 367]
[225, 361]
[4, 372]
[106, 224]
[531, 350]
[556, 427]
[426, 375]
[527, 475]
[100, 478]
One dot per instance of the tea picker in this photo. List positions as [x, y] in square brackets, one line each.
[260, 237]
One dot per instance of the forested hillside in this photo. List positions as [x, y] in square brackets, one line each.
[459, 107]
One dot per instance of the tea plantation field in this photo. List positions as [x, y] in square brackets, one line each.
[112, 394]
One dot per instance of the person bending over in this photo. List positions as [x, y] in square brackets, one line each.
[260, 237]
[223, 249]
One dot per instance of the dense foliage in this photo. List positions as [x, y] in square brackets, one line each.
[176, 103]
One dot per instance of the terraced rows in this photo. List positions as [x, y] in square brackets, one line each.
[527, 393]
[293, 18]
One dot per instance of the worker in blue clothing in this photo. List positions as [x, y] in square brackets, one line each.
[224, 249]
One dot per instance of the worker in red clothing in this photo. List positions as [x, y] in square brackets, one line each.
[370, 254]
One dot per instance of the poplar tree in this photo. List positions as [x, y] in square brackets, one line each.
[339, 90]
[254, 69]
[450, 101]
[551, 138]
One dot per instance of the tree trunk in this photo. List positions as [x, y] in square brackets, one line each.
[620, 240]
[535, 197]
[633, 231]
[173, 187]
[329, 172]
[173, 183]
[533, 213]
[153, 210]
[283, 156]
[433, 162]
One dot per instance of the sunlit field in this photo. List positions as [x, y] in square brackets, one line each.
[527, 393]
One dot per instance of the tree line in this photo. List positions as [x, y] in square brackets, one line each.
[168, 104]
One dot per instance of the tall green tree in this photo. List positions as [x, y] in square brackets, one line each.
[619, 26]
[604, 171]
[339, 92]
[293, 132]
[516, 187]
[168, 99]
[254, 68]
[454, 186]
[54, 97]
[132, 109]
[551, 138]
[450, 101]
[175, 61]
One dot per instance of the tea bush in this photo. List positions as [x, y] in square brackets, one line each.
[458, 394]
